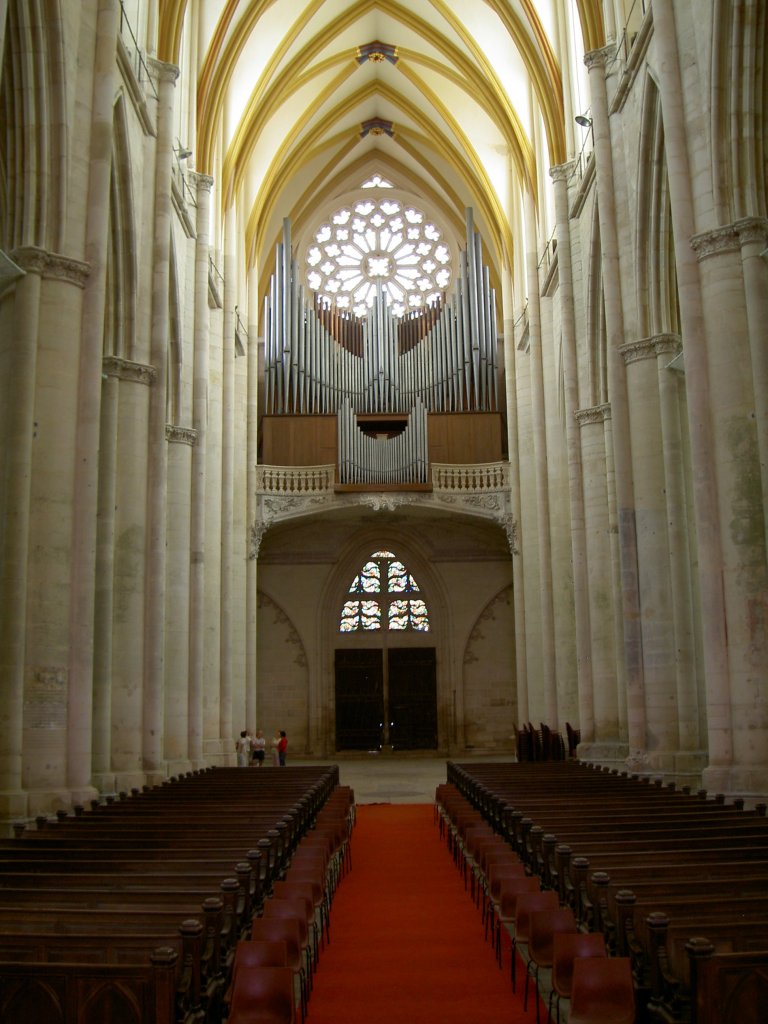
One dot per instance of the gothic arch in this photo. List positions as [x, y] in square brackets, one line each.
[597, 361]
[120, 306]
[489, 677]
[283, 676]
[33, 93]
[738, 101]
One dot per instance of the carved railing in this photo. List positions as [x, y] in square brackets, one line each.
[470, 479]
[482, 478]
[285, 480]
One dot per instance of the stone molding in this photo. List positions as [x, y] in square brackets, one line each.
[51, 265]
[713, 243]
[162, 70]
[275, 508]
[649, 348]
[124, 369]
[180, 435]
[595, 414]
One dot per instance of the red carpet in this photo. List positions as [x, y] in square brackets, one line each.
[407, 943]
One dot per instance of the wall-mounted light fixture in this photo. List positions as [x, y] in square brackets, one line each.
[583, 121]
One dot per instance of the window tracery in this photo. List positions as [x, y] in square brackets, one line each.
[384, 594]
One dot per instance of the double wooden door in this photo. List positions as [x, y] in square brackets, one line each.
[386, 698]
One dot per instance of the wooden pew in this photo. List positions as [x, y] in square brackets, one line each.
[629, 855]
[159, 886]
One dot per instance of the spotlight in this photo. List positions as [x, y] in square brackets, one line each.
[583, 120]
[183, 154]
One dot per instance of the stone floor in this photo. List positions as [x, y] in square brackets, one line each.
[395, 778]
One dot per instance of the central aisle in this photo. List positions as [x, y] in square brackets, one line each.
[407, 943]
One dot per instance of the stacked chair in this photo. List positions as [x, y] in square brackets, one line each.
[292, 927]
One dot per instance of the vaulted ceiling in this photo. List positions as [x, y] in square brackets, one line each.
[297, 102]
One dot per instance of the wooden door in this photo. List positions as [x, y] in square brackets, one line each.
[359, 699]
[412, 705]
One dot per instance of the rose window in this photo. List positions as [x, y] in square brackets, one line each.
[379, 243]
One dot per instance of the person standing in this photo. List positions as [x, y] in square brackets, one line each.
[259, 747]
[282, 746]
[243, 749]
[275, 743]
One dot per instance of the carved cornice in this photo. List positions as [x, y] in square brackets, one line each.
[595, 414]
[180, 435]
[124, 369]
[752, 229]
[713, 243]
[201, 181]
[162, 70]
[277, 508]
[598, 58]
[562, 172]
[51, 265]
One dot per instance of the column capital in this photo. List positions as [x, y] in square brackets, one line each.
[562, 172]
[180, 435]
[598, 58]
[204, 182]
[51, 265]
[594, 415]
[124, 369]
[752, 229]
[163, 71]
[649, 348]
[713, 243]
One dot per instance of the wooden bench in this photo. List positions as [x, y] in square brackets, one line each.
[136, 905]
[631, 856]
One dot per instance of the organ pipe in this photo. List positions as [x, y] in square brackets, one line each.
[316, 356]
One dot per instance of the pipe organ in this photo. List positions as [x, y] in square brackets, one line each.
[403, 459]
[320, 360]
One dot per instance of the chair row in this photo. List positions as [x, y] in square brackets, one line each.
[273, 966]
[146, 897]
[651, 867]
[542, 934]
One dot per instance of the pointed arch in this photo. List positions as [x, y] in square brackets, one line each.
[33, 123]
[122, 269]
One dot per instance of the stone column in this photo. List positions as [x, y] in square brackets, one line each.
[736, 456]
[104, 581]
[698, 391]
[548, 681]
[157, 453]
[135, 382]
[513, 447]
[680, 548]
[251, 594]
[560, 176]
[50, 485]
[181, 442]
[19, 348]
[651, 517]
[204, 185]
[753, 239]
[617, 390]
[226, 608]
[84, 532]
[602, 741]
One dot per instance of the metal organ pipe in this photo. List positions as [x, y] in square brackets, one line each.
[315, 357]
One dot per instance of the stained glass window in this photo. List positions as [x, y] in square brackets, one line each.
[392, 605]
[379, 241]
